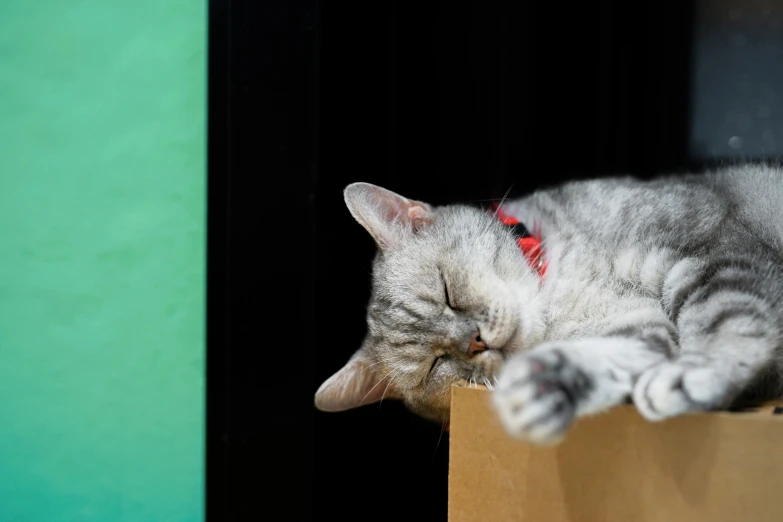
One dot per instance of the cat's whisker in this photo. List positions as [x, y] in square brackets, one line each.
[488, 226]
[376, 384]
[386, 360]
[503, 200]
[374, 364]
[484, 200]
[442, 429]
[396, 374]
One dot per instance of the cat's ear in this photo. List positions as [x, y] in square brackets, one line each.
[356, 384]
[388, 217]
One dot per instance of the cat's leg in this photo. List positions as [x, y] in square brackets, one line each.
[541, 391]
[729, 333]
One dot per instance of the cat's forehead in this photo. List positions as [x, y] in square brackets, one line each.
[461, 217]
[467, 223]
[457, 228]
[409, 268]
[458, 235]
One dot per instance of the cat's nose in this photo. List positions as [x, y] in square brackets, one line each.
[476, 345]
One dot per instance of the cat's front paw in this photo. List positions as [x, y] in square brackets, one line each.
[674, 388]
[535, 396]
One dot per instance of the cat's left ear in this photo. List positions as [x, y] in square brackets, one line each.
[356, 384]
[387, 216]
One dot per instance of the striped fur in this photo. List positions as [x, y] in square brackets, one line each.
[667, 293]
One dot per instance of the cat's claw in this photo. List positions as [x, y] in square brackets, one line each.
[673, 388]
[533, 396]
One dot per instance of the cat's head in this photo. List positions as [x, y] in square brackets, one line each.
[452, 297]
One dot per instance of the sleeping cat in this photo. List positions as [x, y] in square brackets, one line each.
[663, 293]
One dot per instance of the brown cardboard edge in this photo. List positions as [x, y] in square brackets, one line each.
[451, 453]
[767, 410]
[450, 476]
[460, 384]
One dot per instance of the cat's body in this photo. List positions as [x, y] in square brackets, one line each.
[668, 293]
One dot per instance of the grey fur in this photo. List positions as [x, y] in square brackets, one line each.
[669, 292]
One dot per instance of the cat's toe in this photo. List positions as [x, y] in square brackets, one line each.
[705, 387]
[672, 389]
[532, 403]
[542, 421]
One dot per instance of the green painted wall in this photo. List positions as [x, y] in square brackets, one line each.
[102, 259]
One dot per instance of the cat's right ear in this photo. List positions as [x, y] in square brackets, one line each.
[387, 216]
[356, 384]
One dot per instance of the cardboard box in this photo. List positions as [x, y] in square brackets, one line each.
[617, 467]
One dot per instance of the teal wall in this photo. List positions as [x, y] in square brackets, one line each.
[102, 256]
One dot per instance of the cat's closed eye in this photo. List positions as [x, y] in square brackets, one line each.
[446, 291]
[449, 302]
[434, 364]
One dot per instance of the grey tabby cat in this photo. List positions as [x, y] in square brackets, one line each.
[663, 293]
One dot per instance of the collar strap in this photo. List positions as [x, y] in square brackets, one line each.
[529, 243]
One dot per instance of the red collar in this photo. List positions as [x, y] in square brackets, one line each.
[530, 244]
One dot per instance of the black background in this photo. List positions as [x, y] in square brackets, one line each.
[441, 102]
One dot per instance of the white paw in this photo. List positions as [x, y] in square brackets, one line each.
[535, 396]
[673, 388]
